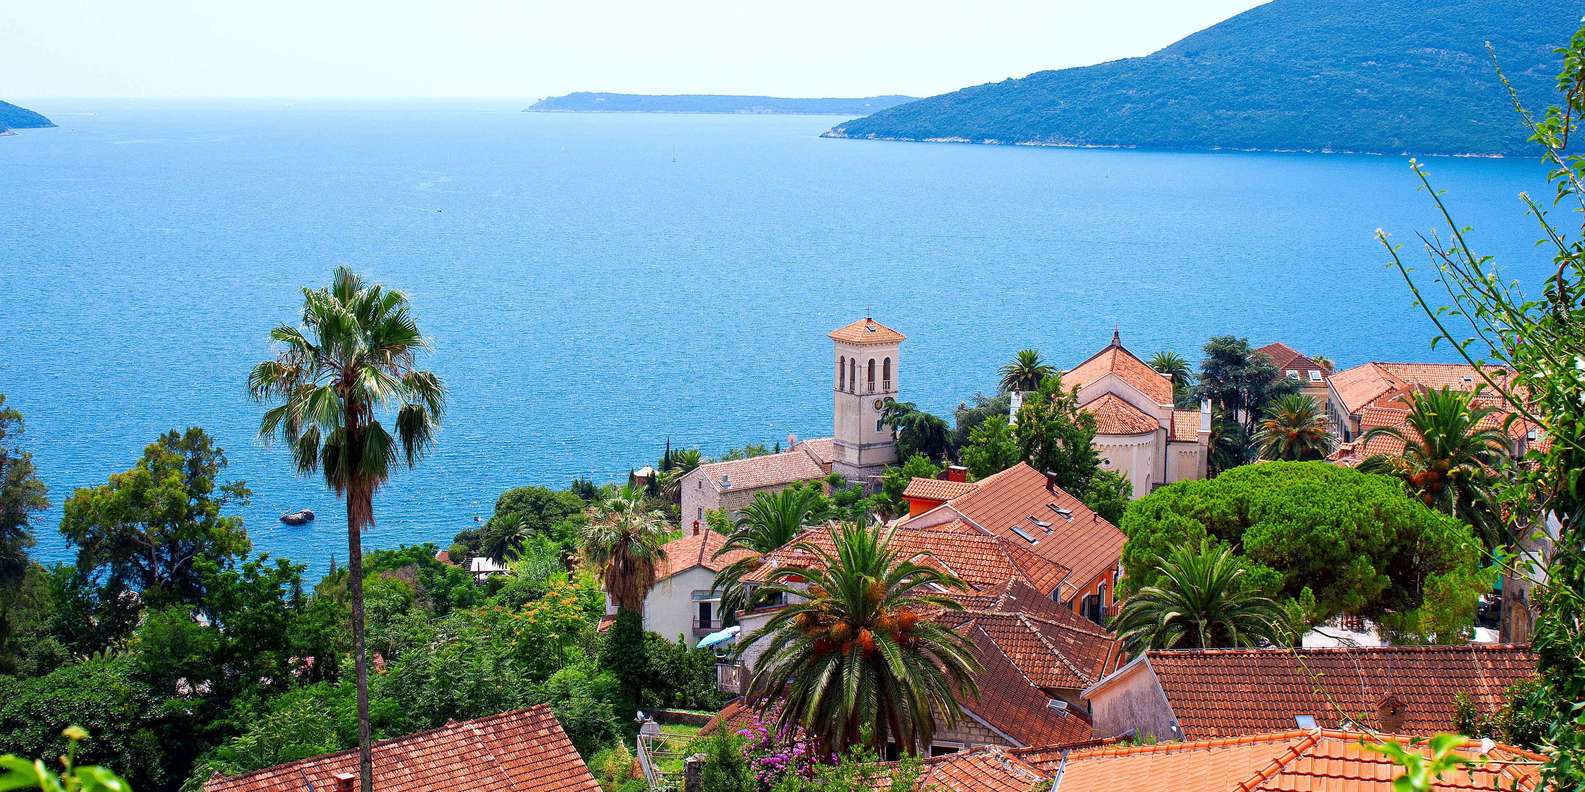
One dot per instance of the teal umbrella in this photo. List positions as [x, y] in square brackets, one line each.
[719, 637]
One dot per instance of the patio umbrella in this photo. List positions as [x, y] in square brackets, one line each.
[719, 637]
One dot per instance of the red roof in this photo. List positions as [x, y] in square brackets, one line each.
[1115, 416]
[1286, 358]
[866, 331]
[1017, 497]
[983, 769]
[1117, 361]
[1015, 705]
[1290, 761]
[936, 489]
[523, 750]
[1185, 426]
[1229, 692]
[698, 550]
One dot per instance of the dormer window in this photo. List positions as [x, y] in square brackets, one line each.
[1315, 375]
[1293, 374]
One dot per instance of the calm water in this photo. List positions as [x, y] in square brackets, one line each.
[597, 283]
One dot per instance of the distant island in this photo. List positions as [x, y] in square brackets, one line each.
[13, 117]
[590, 102]
[1377, 76]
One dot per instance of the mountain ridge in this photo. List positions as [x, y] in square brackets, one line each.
[1369, 76]
[15, 117]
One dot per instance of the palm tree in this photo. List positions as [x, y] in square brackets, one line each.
[1025, 372]
[625, 541]
[1294, 429]
[916, 431]
[770, 521]
[1173, 366]
[859, 650]
[1323, 361]
[1451, 446]
[1201, 601]
[352, 358]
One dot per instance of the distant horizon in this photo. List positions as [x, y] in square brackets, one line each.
[486, 50]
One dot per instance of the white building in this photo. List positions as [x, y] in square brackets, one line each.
[681, 604]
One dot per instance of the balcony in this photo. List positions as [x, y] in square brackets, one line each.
[731, 678]
[703, 627]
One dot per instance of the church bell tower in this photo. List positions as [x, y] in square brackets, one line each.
[865, 380]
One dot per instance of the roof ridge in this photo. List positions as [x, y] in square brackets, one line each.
[1193, 745]
[1087, 679]
[1275, 766]
[1346, 650]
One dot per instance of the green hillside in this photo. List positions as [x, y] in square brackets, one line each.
[13, 117]
[1390, 76]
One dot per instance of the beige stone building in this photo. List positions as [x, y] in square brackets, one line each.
[730, 486]
[866, 356]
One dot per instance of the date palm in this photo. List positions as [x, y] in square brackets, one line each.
[859, 651]
[1294, 429]
[1200, 601]
[1025, 371]
[770, 521]
[351, 359]
[626, 541]
[1173, 366]
[1451, 446]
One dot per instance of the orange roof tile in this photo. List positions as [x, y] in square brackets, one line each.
[1115, 416]
[698, 550]
[936, 489]
[1116, 360]
[866, 331]
[821, 449]
[1185, 426]
[523, 750]
[1015, 705]
[766, 470]
[1286, 358]
[1061, 653]
[1226, 692]
[1017, 497]
[1361, 385]
[1290, 761]
[983, 769]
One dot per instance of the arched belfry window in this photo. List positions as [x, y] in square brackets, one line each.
[886, 374]
[842, 373]
[853, 374]
[872, 376]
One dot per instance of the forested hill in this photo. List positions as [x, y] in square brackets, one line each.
[1388, 76]
[587, 102]
[13, 117]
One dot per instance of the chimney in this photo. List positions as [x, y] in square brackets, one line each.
[956, 473]
[792, 441]
[695, 527]
[1051, 482]
[346, 781]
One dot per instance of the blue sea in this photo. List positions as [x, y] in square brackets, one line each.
[596, 284]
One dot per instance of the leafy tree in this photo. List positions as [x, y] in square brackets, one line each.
[678, 676]
[967, 415]
[580, 695]
[1108, 495]
[917, 431]
[745, 452]
[296, 725]
[1451, 448]
[1177, 369]
[625, 541]
[1056, 437]
[1025, 371]
[1353, 539]
[895, 479]
[624, 653]
[152, 525]
[22, 495]
[1201, 600]
[123, 715]
[523, 512]
[858, 655]
[992, 447]
[352, 357]
[1228, 446]
[771, 520]
[724, 768]
[1240, 382]
[1294, 429]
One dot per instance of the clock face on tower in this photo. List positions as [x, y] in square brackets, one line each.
[879, 403]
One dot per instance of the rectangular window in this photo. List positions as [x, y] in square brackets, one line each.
[1315, 376]
[704, 616]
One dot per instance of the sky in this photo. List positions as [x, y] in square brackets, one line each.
[531, 48]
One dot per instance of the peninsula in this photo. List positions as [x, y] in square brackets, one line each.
[1378, 76]
[590, 102]
[14, 117]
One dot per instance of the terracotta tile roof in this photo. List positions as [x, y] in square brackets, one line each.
[1057, 652]
[1290, 761]
[1361, 385]
[1228, 692]
[768, 470]
[821, 449]
[984, 769]
[1080, 541]
[1115, 416]
[523, 750]
[936, 489]
[1116, 360]
[1286, 358]
[866, 331]
[698, 550]
[1185, 426]
[978, 559]
[1014, 705]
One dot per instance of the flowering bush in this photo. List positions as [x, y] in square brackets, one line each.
[773, 755]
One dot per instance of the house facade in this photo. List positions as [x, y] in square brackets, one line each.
[682, 605]
[730, 486]
[1310, 374]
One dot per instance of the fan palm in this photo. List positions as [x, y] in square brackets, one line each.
[858, 654]
[1294, 429]
[1173, 366]
[1025, 372]
[1200, 601]
[626, 541]
[1451, 446]
[770, 521]
[352, 358]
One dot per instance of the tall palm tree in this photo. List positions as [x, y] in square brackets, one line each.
[1294, 429]
[626, 541]
[770, 521]
[1451, 446]
[860, 651]
[1201, 601]
[352, 358]
[917, 431]
[1173, 366]
[1025, 372]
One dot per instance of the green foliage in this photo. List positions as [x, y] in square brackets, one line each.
[22, 495]
[1108, 495]
[625, 540]
[123, 715]
[17, 773]
[917, 431]
[581, 696]
[895, 479]
[724, 768]
[1056, 437]
[1025, 372]
[1202, 600]
[624, 653]
[771, 520]
[1176, 368]
[1294, 429]
[1355, 540]
[153, 524]
[967, 415]
[677, 676]
[1240, 383]
[744, 452]
[526, 512]
[1422, 769]
[547, 630]
[991, 447]
[300, 723]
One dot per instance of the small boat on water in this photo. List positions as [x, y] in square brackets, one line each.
[299, 517]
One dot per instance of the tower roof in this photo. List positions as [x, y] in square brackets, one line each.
[866, 331]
